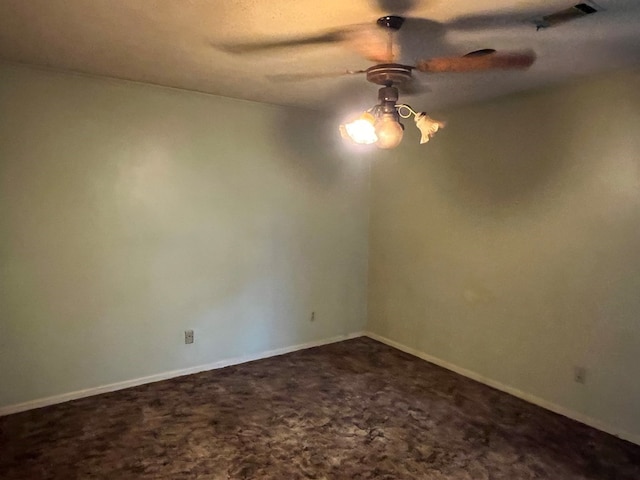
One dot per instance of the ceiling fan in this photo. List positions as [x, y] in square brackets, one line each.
[381, 124]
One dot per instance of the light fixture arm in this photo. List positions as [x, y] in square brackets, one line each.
[428, 126]
[402, 107]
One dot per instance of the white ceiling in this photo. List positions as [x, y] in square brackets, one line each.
[174, 43]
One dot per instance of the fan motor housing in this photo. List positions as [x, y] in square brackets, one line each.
[389, 74]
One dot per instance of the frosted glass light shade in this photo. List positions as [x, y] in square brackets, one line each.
[389, 131]
[361, 130]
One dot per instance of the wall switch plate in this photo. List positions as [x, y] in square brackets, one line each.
[188, 336]
[579, 375]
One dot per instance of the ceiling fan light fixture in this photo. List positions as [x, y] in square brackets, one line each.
[361, 130]
[380, 125]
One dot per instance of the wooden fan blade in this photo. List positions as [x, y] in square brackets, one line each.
[300, 77]
[478, 63]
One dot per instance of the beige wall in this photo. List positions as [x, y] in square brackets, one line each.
[510, 245]
[129, 213]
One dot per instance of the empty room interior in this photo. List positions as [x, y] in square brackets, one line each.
[326, 240]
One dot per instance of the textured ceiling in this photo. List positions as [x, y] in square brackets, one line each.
[178, 43]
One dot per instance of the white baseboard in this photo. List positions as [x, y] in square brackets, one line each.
[592, 422]
[65, 397]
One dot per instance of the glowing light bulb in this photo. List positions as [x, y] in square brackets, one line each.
[389, 131]
[361, 130]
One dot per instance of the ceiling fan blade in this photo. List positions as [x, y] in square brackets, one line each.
[369, 40]
[478, 63]
[523, 17]
[491, 20]
[301, 77]
[251, 47]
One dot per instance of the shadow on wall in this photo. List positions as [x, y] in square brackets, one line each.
[307, 149]
[312, 138]
[506, 160]
[312, 145]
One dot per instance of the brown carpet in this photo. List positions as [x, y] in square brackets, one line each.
[352, 410]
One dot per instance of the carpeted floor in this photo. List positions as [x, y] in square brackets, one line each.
[352, 410]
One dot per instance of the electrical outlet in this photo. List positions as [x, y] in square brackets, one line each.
[313, 316]
[580, 375]
[188, 336]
